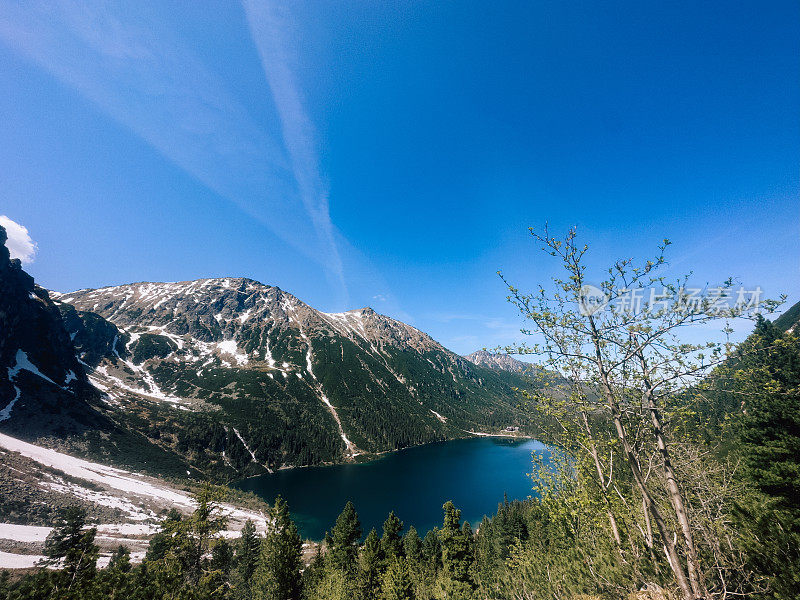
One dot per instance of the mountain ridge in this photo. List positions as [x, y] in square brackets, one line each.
[245, 361]
[499, 361]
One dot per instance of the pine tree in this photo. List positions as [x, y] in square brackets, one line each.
[177, 558]
[72, 546]
[412, 546]
[397, 581]
[432, 549]
[160, 542]
[222, 558]
[343, 540]
[204, 524]
[120, 560]
[313, 574]
[248, 548]
[391, 541]
[277, 576]
[457, 553]
[769, 376]
[370, 572]
[115, 581]
[767, 380]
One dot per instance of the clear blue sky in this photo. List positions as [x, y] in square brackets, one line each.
[393, 154]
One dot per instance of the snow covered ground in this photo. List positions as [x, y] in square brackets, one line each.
[116, 479]
[140, 499]
[23, 533]
[9, 560]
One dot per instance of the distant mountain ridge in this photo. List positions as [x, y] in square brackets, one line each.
[498, 361]
[229, 377]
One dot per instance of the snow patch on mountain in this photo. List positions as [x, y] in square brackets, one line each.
[22, 362]
[246, 447]
[230, 347]
[352, 450]
[6, 412]
[438, 416]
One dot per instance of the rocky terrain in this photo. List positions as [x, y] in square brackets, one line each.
[499, 362]
[126, 507]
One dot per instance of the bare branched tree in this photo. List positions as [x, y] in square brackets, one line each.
[620, 344]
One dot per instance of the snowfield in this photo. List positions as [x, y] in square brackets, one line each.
[116, 479]
[19, 561]
[24, 533]
[141, 499]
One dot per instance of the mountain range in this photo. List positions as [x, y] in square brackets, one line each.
[228, 377]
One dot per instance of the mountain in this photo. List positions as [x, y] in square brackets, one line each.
[499, 362]
[47, 399]
[238, 377]
[43, 387]
[789, 319]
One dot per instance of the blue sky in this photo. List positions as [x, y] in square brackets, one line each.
[393, 154]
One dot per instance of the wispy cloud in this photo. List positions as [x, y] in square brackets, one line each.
[19, 242]
[129, 63]
[270, 24]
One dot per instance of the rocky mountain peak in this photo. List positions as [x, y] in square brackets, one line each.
[497, 361]
[5, 255]
[238, 309]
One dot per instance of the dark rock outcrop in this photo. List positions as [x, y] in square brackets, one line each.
[43, 387]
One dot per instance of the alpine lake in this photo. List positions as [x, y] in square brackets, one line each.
[475, 473]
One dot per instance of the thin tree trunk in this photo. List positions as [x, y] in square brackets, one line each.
[674, 492]
[676, 499]
[633, 461]
[603, 488]
[648, 538]
[669, 546]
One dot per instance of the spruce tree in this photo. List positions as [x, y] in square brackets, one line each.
[72, 546]
[412, 546]
[222, 558]
[248, 549]
[397, 581]
[391, 541]
[457, 553]
[432, 549]
[177, 559]
[161, 541]
[343, 540]
[370, 572]
[766, 378]
[769, 376]
[277, 575]
[115, 581]
[120, 560]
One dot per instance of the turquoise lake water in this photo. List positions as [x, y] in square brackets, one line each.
[474, 473]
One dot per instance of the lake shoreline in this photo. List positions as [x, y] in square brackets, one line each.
[476, 472]
[372, 456]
